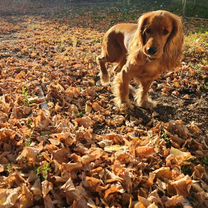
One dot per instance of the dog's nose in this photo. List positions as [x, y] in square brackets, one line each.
[151, 51]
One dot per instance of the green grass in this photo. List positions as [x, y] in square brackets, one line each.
[196, 49]
[44, 170]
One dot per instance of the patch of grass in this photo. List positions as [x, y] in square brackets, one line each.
[9, 168]
[205, 161]
[44, 170]
[81, 114]
[30, 124]
[196, 50]
[197, 40]
[28, 142]
[165, 137]
[25, 93]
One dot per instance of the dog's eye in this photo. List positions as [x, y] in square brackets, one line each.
[165, 32]
[148, 31]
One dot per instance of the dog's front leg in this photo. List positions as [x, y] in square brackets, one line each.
[121, 87]
[142, 95]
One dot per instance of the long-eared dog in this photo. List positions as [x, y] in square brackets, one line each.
[142, 52]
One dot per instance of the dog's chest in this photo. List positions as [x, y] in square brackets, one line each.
[149, 70]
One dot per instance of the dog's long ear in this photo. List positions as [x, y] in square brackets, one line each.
[138, 41]
[142, 21]
[174, 45]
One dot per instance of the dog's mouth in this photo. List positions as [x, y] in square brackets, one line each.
[151, 58]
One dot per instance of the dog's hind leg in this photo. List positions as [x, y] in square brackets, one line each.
[104, 76]
[120, 65]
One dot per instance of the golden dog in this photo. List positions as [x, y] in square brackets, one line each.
[142, 52]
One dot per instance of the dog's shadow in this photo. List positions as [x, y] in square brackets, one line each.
[163, 113]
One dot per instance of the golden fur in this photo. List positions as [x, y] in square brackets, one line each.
[142, 52]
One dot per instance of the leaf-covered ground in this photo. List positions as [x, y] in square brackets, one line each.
[63, 143]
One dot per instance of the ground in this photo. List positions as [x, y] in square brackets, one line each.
[63, 143]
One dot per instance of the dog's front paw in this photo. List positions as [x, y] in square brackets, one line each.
[123, 105]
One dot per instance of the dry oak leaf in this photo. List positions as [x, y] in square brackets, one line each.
[92, 155]
[47, 186]
[26, 197]
[117, 120]
[8, 197]
[30, 153]
[145, 151]
[66, 137]
[143, 202]
[4, 106]
[1, 168]
[194, 129]
[86, 122]
[75, 195]
[113, 189]
[61, 155]
[154, 197]
[178, 127]
[6, 134]
[183, 185]
[20, 111]
[69, 167]
[93, 184]
[162, 173]
[26, 132]
[112, 177]
[42, 121]
[199, 172]
[174, 201]
[178, 157]
[15, 179]
[48, 203]
[36, 189]
[72, 92]
[115, 148]
[3, 117]
[115, 138]
[97, 107]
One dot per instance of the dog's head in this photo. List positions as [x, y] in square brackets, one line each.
[161, 36]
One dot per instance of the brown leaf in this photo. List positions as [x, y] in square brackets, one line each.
[174, 201]
[72, 166]
[9, 197]
[61, 155]
[6, 134]
[93, 184]
[199, 172]
[42, 121]
[46, 187]
[1, 168]
[182, 185]
[65, 137]
[86, 122]
[97, 107]
[145, 151]
[36, 189]
[48, 203]
[29, 153]
[112, 190]
[25, 198]
[178, 157]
